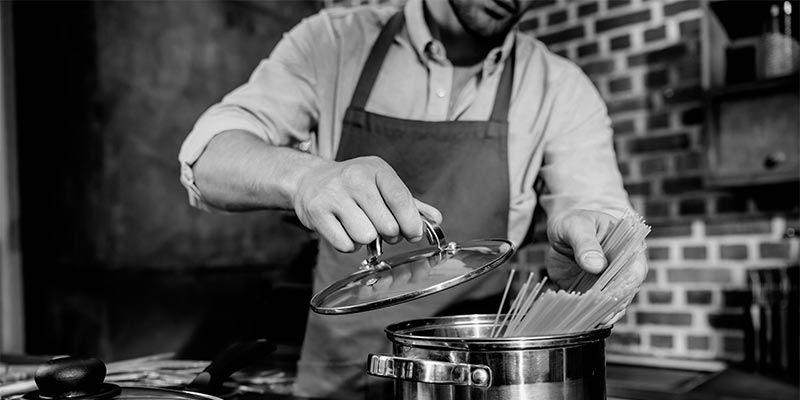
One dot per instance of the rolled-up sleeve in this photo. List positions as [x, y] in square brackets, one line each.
[580, 168]
[278, 103]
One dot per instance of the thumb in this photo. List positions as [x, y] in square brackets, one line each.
[581, 235]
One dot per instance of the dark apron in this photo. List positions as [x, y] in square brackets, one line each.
[459, 167]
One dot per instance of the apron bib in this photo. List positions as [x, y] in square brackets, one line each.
[459, 167]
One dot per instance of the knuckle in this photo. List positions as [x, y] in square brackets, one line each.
[389, 229]
[364, 236]
[354, 173]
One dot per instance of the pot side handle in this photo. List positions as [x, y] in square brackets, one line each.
[426, 371]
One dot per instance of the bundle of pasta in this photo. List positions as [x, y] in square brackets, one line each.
[591, 301]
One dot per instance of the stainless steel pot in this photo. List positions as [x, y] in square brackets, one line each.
[453, 358]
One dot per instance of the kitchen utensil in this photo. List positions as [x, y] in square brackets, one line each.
[382, 282]
[75, 378]
[455, 358]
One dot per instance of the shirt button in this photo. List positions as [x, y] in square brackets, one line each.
[304, 146]
[440, 92]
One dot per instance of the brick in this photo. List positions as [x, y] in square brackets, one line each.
[563, 52]
[625, 105]
[702, 297]
[658, 121]
[733, 252]
[656, 78]
[683, 95]
[698, 343]
[731, 204]
[617, 3]
[666, 54]
[564, 35]
[659, 297]
[661, 341]
[656, 208]
[693, 116]
[651, 166]
[624, 127]
[624, 169]
[529, 24]
[679, 141]
[649, 278]
[726, 321]
[542, 3]
[774, 250]
[690, 29]
[607, 24]
[620, 85]
[736, 297]
[670, 229]
[598, 67]
[624, 339]
[588, 49]
[699, 275]
[587, 9]
[737, 227]
[681, 184]
[640, 188]
[692, 207]
[694, 253]
[620, 42]
[557, 17]
[663, 318]
[688, 162]
[680, 6]
[658, 33]
[732, 344]
[658, 253]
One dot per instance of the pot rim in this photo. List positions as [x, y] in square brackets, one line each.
[403, 333]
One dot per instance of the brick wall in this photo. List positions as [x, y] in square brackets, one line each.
[645, 59]
[644, 56]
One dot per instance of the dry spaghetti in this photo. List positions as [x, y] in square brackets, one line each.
[591, 301]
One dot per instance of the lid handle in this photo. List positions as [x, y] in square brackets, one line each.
[69, 377]
[433, 232]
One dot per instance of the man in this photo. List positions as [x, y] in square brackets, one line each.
[363, 120]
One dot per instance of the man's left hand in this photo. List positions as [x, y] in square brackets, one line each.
[575, 246]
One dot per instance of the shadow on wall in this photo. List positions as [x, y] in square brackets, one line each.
[106, 92]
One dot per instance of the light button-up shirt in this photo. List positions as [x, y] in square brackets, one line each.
[559, 129]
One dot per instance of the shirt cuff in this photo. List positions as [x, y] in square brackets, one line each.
[196, 142]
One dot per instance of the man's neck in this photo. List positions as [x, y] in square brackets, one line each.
[462, 47]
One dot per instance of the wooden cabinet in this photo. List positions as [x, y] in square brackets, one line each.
[753, 108]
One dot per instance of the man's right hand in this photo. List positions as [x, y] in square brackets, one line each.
[353, 202]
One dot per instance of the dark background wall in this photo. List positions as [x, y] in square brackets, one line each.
[116, 262]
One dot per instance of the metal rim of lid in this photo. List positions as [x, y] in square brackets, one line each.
[317, 300]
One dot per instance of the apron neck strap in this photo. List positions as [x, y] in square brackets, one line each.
[502, 98]
[375, 59]
[369, 74]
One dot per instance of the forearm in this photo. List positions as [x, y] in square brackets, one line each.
[240, 171]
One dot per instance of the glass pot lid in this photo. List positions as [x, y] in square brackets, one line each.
[408, 276]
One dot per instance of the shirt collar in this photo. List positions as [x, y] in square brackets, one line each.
[428, 48]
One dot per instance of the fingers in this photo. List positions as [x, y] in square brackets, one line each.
[428, 211]
[398, 199]
[354, 202]
[370, 201]
[580, 232]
